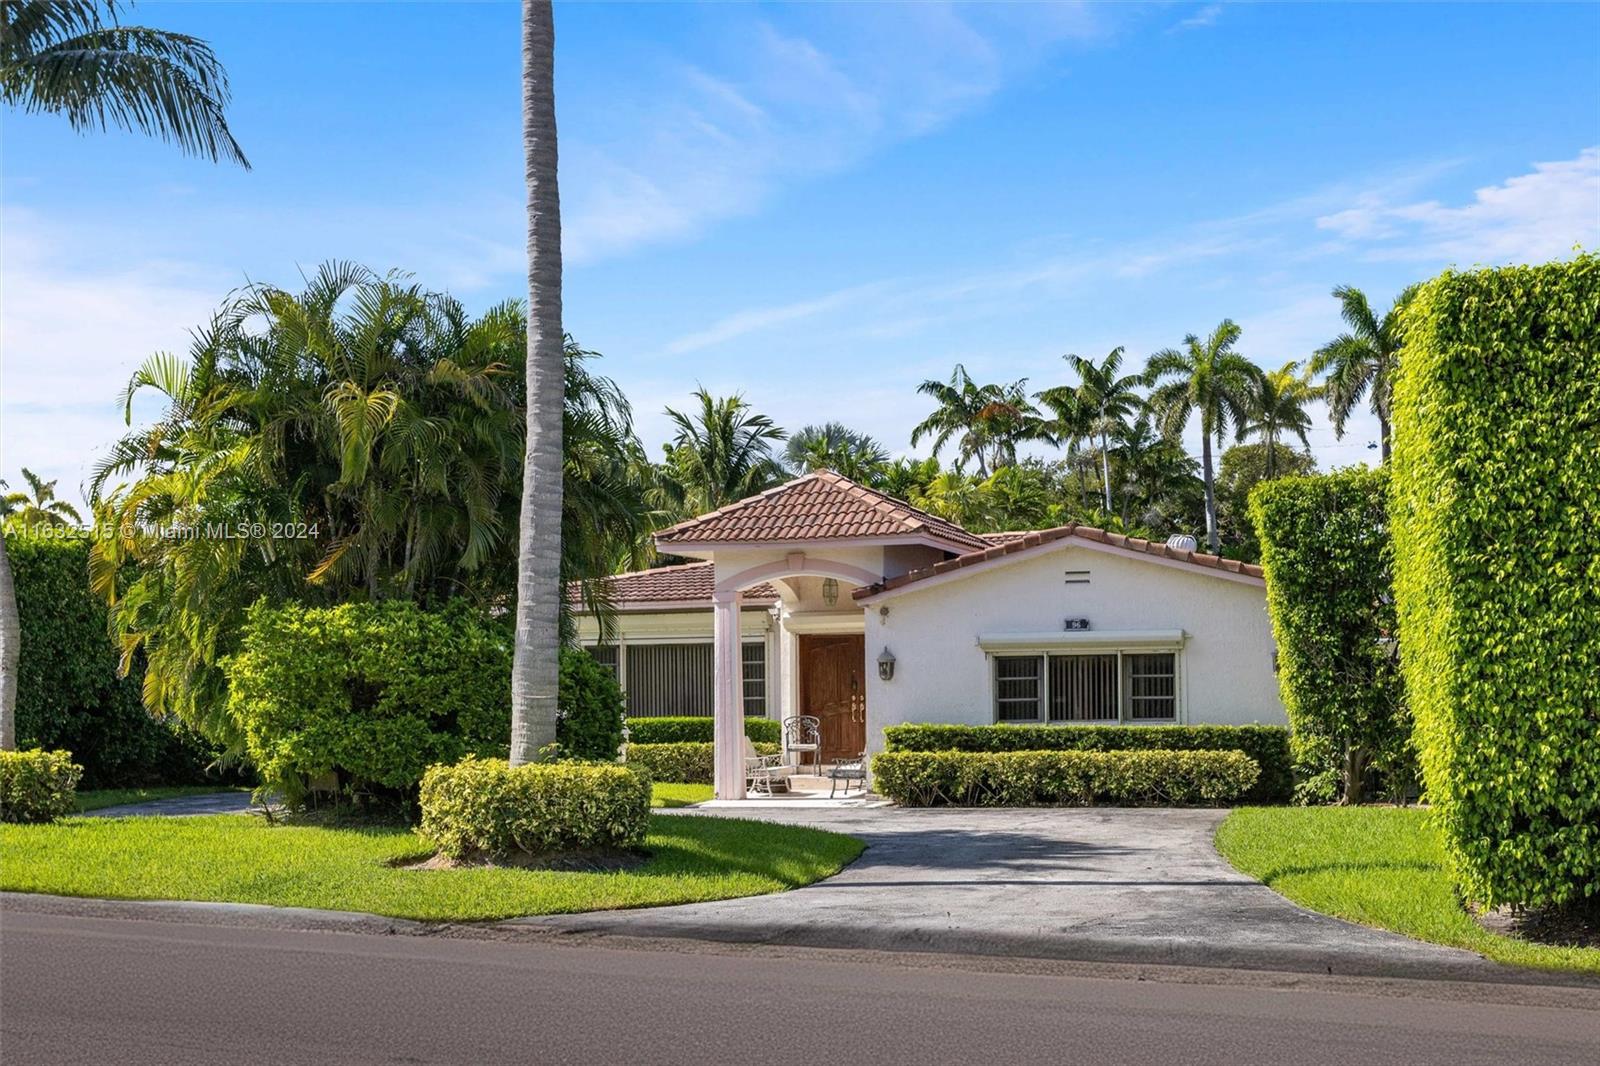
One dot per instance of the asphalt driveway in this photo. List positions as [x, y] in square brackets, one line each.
[1094, 884]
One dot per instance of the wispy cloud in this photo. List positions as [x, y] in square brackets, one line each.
[1528, 218]
[785, 103]
[1206, 16]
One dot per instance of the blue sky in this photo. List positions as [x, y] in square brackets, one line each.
[818, 206]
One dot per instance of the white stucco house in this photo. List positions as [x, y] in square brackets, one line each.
[827, 598]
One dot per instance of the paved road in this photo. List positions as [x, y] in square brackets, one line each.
[1104, 884]
[234, 802]
[114, 991]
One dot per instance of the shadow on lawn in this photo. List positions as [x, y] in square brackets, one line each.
[1271, 877]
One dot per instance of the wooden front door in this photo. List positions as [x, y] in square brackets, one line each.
[833, 687]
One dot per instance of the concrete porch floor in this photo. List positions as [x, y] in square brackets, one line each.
[805, 790]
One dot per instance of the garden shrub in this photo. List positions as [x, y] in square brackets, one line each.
[590, 708]
[1268, 745]
[488, 807]
[1062, 778]
[688, 730]
[37, 786]
[68, 692]
[1329, 561]
[688, 763]
[1495, 503]
[367, 694]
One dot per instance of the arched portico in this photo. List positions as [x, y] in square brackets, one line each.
[728, 668]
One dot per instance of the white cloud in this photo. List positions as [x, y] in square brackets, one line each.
[785, 104]
[1206, 16]
[1528, 218]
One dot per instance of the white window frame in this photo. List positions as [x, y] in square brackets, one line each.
[622, 647]
[1124, 695]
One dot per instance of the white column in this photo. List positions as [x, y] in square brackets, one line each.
[728, 695]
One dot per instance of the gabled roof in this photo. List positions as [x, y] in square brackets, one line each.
[685, 583]
[1020, 542]
[819, 506]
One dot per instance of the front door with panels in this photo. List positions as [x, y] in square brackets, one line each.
[833, 688]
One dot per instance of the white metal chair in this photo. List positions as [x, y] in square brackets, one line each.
[764, 773]
[802, 734]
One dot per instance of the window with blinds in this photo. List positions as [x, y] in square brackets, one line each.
[1152, 687]
[678, 679]
[1017, 686]
[1083, 688]
[606, 656]
[755, 680]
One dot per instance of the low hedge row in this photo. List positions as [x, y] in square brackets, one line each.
[687, 763]
[488, 807]
[1063, 778]
[694, 730]
[1267, 745]
[37, 786]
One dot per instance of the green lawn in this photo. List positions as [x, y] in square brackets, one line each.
[95, 799]
[1378, 866]
[243, 859]
[667, 794]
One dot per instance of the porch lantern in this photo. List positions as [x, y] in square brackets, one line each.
[830, 591]
[886, 665]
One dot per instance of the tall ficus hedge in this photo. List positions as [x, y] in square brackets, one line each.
[1495, 505]
[1328, 557]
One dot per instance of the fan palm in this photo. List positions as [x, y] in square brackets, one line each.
[39, 506]
[1361, 363]
[1205, 377]
[1106, 400]
[1278, 407]
[720, 453]
[75, 58]
[834, 446]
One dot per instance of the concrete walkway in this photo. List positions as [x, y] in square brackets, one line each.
[180, 806]
[1098, 885]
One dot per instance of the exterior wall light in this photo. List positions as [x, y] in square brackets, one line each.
[830, 591]
[886, 665]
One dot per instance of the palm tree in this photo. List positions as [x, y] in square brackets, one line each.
[720, 453]
[991, 420]
[1362, 363]
[834, 446]
[1105, 399]
[1278, 406]
[74, 58]
[41, 508]
[1153, 471]
[1210, 378]
[535, 664]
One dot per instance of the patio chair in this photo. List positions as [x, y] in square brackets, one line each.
[802, 733]
[764, 773]
[848, 770]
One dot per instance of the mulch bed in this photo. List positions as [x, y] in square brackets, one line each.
[1573, 927]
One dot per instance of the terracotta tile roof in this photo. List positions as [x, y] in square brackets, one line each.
[1013, 543]
[818, 506]
[665, 584]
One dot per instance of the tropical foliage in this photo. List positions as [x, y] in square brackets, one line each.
[38, 506]
[721, 451]
[1362, 362]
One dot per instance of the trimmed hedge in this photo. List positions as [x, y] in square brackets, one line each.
[367, 694]
[687, 763]
[1495, 501]
[486, 807]
[697, 730]
[37, 786]
[1329, 562]
[68, 692]
[1062, 778]
[1267, 745]
[590, 702]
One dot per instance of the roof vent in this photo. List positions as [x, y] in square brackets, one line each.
[1182, 542]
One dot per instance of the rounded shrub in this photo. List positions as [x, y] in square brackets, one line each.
[1062, 778]
[366, 696]
[685, 763]
[590, 708]
[486, 807]
[37, 786]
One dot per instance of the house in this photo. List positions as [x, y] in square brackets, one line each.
[825, 597]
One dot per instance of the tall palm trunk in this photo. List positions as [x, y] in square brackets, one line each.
[1105, 467]
[10, 646]
[1212, 541]
[535, 667]
[1383, 439]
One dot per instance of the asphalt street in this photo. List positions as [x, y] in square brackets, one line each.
[118, 990]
